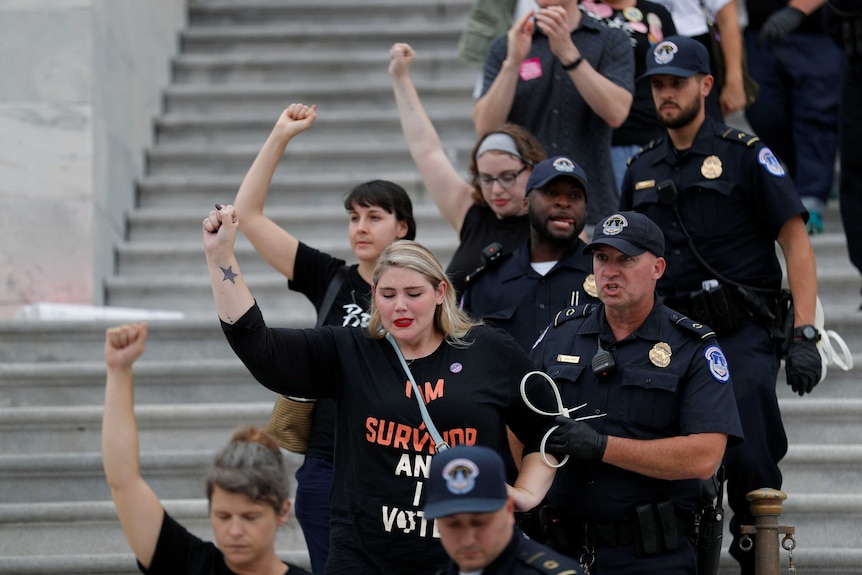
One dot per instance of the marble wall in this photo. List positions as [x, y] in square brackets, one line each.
[81, 82]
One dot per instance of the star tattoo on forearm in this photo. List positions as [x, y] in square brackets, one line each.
[228, 274]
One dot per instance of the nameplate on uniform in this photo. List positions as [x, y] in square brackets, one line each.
[563, 358]
[644, 184]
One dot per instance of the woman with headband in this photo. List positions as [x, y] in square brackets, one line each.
[491, 206]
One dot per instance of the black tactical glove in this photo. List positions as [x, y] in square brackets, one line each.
[778, 25]
[803, 366]
[577, 439]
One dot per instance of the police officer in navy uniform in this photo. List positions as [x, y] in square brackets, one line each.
[474, 514]
[521, 292]
[723, 199]
[659, 408]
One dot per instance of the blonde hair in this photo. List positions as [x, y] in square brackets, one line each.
[451, 321]
[251, 464]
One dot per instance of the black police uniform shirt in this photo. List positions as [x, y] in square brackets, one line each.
[178, 551]
[734, 196]
[481, 228]
[510, 294]
[525, 557]
[671, 379]
[313, 271]
[382, 447]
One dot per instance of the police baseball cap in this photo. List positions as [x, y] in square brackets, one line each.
[465, 479]
[552, 168]
[677, 56]
[630, 232]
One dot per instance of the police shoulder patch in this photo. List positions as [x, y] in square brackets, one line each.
[717, 363]
[770, 162]
[689, 326]
[578, 311]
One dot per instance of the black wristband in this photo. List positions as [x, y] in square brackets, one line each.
[573, 65]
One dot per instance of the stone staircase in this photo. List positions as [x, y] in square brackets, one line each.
[242, 62]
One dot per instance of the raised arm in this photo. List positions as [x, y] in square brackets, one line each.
[231, 293]
[274, 244]
[492, 109]
[732, 96]
[449, 190]
[610, 101]
[138, 508]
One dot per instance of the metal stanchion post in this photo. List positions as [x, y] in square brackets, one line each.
[766, 507]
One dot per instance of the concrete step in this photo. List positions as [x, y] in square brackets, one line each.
[830, 249]
[827, 560]
[831, 422]
[824, 519]
[192, 295]
[147, 259]
[322, 189]
[58, 529]
[310, 224]
[230, 13]
[331, 126]
[161, 427]
[57, 477]
[815, 468]
[820, 520]
[359, 65]
[202, 380]
[355, 157]
[437, 96]
[190, 339]
[308, 37]
[78, 476]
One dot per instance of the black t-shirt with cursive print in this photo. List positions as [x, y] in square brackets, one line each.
[383, 447]
[313, 271]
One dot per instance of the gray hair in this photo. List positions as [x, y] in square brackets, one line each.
[251, 464]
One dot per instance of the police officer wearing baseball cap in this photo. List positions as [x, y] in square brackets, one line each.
[521, 292]
[467, 496]
[723, 199]
[656, 388]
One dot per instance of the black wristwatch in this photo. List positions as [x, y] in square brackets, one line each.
[806, 332]
[573, 65]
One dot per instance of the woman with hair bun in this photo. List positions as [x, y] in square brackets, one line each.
[247, 487]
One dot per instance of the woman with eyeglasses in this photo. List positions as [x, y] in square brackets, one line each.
[489, 208]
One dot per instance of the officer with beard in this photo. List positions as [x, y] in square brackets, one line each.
[522, 292]
[723, 199]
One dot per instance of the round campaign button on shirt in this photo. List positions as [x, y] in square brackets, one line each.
[456, 367]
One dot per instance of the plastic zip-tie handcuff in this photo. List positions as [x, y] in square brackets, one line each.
[563, 410]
